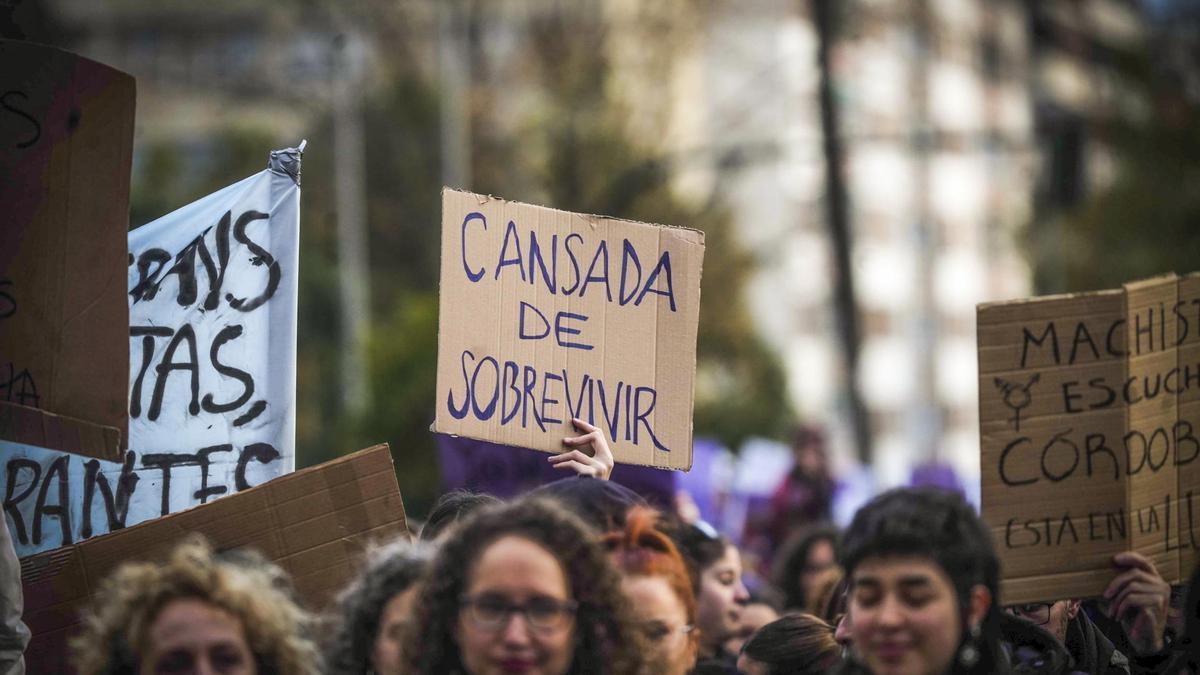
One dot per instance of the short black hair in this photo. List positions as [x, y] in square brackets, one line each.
[450, 508]
[929, 523]
[942, 527]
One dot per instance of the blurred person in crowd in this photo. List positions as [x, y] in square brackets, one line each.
[375, 610]
[522, 587]
[13, 633]
[834, 612]
[825, 603]
[450, 508]
[923, 583]
[805, 496]
[804, 558]
[1127, 631]
[196, 613]
[796, 644]
[658, 587]
[715, 566]
[755, 614]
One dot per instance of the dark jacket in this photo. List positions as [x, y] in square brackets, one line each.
[1032, 649]
[1092, 651]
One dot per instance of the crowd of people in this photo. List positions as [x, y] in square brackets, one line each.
[582, 576]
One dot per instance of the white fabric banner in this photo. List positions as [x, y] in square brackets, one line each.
[212, 383]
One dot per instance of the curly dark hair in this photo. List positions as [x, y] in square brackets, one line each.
[940, 526]
[606, 639]
[389, 571]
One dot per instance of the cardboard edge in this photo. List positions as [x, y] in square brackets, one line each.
[694, 236]
[33, 564]
[61, 53]
[22, 424]
[1058, 297]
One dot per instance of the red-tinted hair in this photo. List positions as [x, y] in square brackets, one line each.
[641, 549]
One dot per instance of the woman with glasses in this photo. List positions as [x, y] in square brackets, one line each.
[658, 587]
[524, 588]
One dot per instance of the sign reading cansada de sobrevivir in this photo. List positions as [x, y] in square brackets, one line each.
[547, 315]
[1090, 427]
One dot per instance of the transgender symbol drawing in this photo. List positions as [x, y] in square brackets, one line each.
[1016, 396]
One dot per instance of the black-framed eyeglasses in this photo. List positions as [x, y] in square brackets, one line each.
[1034, 612]
[491, 612]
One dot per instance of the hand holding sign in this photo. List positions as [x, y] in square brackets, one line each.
[1138, 598]
[597, 465]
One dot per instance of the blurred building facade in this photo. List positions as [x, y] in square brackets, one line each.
[966, 128]
[936, 113]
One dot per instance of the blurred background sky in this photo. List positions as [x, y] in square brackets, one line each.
[866, 172]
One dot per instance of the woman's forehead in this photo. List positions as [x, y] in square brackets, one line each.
[894, 569]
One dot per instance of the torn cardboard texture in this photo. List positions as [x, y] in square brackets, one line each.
[315, 523]
[547, 315]
[1089, 426]
[66, 147]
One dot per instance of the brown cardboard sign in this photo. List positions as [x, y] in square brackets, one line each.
[547, 315]
[315, 523]
[66, 147]
[1090, 430]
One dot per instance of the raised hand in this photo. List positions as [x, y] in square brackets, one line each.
[1138, 598]
[591, 455]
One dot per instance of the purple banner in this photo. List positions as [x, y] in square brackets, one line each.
[505, 471]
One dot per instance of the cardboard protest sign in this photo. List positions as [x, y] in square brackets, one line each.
[315, 523]
[211, 379]
[1089, 422]
[548, 315]
[66, 146]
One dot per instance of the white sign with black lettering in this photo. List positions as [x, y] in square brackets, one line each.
[212, 383]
